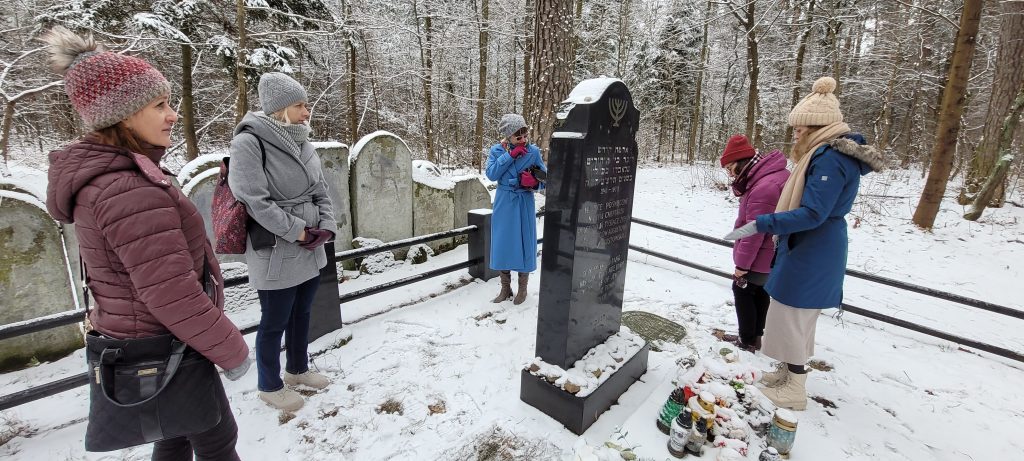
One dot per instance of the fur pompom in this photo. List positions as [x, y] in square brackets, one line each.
[66, 46]
[824, 85]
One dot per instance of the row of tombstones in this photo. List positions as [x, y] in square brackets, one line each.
[376, 191]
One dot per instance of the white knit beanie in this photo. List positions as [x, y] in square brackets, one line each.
[820, 108]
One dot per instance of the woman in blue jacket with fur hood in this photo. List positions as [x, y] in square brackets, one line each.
[514, 219]
[810, 224]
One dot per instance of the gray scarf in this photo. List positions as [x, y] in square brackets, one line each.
[298, 133]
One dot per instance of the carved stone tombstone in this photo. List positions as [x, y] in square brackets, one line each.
[433, 211]
[470, 194]
[35, 281]
[592, 165]
[381, 188]
[334, 163]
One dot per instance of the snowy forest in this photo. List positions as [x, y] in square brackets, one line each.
[932, 83]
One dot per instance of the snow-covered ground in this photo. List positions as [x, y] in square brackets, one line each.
[451, 361]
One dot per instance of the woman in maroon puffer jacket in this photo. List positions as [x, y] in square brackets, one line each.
[143, 242]
[758, 181]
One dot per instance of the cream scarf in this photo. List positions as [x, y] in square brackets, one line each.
[794, 188]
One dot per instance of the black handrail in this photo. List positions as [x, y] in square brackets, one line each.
[72, 317]
[24, 327]
[406, 281]
[75, 316]
[984, 305]
[360, 252]
[55, 387]
[995, 350]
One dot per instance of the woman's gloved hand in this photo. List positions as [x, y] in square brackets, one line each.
[745, 230]
[527, 180]
[518, 150]
[237, 372]
[316, 237]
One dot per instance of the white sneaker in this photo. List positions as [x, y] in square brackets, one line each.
[283, 399]
[309, 378]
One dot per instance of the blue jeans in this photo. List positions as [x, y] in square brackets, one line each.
[285, 312]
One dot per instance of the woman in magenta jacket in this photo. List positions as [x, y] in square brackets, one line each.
[757, 181]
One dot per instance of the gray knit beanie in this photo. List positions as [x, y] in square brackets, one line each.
[278, 91]
[511, 123]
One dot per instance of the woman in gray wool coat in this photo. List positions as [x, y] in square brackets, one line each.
[288, 196]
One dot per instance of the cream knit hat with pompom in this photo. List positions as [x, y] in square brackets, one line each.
[819, 108]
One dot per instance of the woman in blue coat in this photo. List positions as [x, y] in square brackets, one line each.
[514, 220]
[810, 222]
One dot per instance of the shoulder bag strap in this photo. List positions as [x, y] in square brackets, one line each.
[109, 356]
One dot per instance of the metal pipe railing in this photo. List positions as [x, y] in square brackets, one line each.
[360, 252]
[75, 316]
[984, 305]
[72, 317]
[995, 350]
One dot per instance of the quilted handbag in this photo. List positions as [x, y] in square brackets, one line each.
[231, 222]
[147, 389]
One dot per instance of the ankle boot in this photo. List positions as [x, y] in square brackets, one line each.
[524, 279]
[506, 287]
[792, 394]
[774, 378]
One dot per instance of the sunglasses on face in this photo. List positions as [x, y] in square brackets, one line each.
[519, 135]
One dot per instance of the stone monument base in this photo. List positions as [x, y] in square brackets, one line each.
[578, 413]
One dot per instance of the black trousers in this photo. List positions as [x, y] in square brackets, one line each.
[216, 444]
[751, 311]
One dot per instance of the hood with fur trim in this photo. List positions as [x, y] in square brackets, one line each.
[854, 145]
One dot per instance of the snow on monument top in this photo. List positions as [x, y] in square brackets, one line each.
[590, 90]
[353, 155]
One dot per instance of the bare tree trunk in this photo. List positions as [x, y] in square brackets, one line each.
[885, 117]
[953, 99]
[188, 113]
[553, 61]
[620, 61]
[481, 94]
[997, 178]
[5, 136]
[241, 59]
[695, 112]
[753, 71]
[529, 104]
[427, 62]
[908, 120]
[801, 52]
[1008, 77]
[675, 122]
[353, 69]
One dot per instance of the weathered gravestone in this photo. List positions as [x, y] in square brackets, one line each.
[433, 210]
[325, 316]
[381, 188]
[334, 163]
[34, 281]
[592, 165]
[470, 194]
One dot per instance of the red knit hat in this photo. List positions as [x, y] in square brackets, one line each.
[105, 87]
[738, 148]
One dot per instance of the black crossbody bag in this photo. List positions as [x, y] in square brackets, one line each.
[147, 389]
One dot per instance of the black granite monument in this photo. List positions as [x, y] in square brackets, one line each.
[325, 314]
[592, 171]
